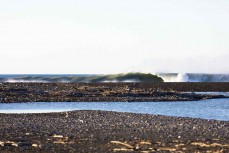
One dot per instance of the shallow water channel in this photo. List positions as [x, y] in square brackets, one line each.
[217, 109]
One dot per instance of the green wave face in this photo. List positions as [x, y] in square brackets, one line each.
[125, 77]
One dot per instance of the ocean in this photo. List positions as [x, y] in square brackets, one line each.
[127, 77]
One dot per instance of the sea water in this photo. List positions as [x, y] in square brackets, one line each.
[167, 77]
[217, 109]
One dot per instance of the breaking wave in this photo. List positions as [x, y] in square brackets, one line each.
[125, 77]
[194, 77]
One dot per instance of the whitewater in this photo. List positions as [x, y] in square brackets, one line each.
[194, 77]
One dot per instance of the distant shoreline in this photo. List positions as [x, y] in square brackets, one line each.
[109, 92]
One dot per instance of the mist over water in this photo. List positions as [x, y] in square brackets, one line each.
[194, 77]
[204, 64]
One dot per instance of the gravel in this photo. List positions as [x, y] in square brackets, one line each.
[103, 131]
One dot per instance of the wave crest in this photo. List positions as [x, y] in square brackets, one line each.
[124, 77]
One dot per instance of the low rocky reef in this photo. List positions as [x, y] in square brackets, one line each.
[109, 92]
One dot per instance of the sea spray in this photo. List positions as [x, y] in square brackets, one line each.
[194, 77]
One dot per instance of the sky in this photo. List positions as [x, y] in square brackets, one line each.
[114, 36]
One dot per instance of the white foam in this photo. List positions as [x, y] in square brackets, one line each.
[181, 77]
[23, 81]
[192, 77]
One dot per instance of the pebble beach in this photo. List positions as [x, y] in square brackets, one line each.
[101, 131]
[107, 131]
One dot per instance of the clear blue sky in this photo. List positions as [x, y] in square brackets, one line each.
[112, 36]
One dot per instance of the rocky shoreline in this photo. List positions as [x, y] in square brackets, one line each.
[96, 92]
[102, 131]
